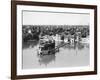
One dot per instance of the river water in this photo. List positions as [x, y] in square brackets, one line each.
[70, 55]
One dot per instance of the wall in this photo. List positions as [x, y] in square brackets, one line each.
[5, 40]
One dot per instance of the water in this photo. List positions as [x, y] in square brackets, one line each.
[70, 55]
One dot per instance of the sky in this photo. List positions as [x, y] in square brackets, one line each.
[54, 18]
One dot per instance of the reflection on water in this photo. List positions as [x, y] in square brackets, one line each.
[46, 59]
[28, 44]
[69, 55]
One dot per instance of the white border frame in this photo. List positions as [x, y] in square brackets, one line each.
[21, 71]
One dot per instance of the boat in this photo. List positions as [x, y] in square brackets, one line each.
[46, 46]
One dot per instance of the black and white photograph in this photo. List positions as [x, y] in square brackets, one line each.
[59, 40]
[53, 39]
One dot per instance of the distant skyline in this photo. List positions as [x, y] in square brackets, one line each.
[51, 18]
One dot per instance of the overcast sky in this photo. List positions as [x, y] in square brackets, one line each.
[53, 18]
